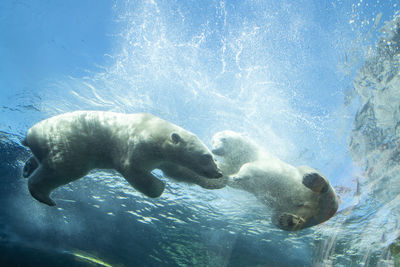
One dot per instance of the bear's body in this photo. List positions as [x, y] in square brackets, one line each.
[66, 147]
[298, 197]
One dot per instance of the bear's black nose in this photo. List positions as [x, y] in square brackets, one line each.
[214, 175]
[218, 151]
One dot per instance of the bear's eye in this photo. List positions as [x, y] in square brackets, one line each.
[176, 138]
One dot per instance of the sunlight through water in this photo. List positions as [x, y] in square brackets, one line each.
[314, 82]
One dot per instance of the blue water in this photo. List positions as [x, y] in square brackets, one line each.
[285, 73]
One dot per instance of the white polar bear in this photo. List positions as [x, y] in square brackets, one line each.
[66, 147]
[298, 197]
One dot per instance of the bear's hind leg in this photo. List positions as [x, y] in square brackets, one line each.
[41, 183]
[30, 166]
[145, 183]
[315, 182]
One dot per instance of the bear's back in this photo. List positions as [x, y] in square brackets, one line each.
[74, 134]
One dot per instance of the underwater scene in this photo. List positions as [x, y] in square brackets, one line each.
[273, 139]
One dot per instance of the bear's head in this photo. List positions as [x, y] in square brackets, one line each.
[235, 148]
[227, 142]
[186, 149]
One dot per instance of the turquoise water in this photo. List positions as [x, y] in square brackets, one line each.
[310, 81]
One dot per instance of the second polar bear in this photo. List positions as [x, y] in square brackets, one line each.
[66, 147]
[298, 197]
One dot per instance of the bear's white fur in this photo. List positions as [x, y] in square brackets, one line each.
[234, 150]
[66, 147]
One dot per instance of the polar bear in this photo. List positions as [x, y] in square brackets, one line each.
[298, 197]
[66, 147]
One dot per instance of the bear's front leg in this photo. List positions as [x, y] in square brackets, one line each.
[144, 182]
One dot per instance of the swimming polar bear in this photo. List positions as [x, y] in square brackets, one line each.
[298, 197]
[66, 147]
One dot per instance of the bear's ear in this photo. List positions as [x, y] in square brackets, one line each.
[176, 138]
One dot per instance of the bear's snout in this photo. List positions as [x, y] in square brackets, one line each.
[218, 151]
[217, 175]
[212, 174]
